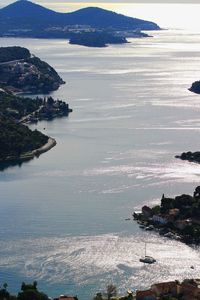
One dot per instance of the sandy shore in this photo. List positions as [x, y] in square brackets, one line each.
[50, 144]
[29, 155]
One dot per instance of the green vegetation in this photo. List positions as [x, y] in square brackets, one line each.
[27, 19]
[111, 293]
[19, 71]
[13, 53]
[17, 107]
[177, 218]
[28, 292]
[18, 139]
[96, 39]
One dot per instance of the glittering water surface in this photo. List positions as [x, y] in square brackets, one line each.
[62, 217]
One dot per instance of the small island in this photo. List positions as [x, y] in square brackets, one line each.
[195, 88]
[176, 218]
[190, 156]
[96, 39]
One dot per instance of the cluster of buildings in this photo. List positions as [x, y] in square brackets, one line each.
[189, 289]
[137, 33]
[49, 110]
[177, 218]
[71, 28]
[164, 218]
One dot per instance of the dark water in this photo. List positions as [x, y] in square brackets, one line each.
[62, 217]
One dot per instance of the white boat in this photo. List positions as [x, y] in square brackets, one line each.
[147, 259]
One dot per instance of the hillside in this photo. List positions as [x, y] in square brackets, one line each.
[22, 72]
[18, 142]
[19, 70]
[17, 139]
[26, 19]
[13, 53]
[15, 107]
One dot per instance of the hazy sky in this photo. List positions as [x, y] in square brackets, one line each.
[167, 13]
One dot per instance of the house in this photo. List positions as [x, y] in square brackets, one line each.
[181, 224]
[65, 297]
[146, 211]
[145, 295]
[191, 288]
[165, 288]
[159, 219]
[174, 212]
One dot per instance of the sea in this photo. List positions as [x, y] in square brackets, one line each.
[63, 215]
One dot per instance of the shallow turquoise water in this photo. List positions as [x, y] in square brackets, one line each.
[62, 217]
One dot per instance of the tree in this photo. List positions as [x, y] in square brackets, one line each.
[30, 292]
[4, 294]
[111, 291]
[98, 296]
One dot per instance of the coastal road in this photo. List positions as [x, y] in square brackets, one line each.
[22, 120]
[11, 62]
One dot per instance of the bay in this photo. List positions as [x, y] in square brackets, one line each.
[62, 217]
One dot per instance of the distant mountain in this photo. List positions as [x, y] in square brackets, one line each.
[24, 18]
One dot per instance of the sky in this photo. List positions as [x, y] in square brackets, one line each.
[166, 13]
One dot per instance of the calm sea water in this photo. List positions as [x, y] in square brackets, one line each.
[62, 216]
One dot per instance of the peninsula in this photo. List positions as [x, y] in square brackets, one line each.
[27, 19]
[20, 71]
[190, 156]
[176, 218]
[18, 142]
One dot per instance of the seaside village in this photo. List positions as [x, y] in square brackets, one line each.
[176, 218]
[189, 289]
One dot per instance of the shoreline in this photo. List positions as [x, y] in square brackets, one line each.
[34, 153]
[175, 218]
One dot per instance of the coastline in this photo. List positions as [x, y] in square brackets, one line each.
[175, 218]
[35, 153]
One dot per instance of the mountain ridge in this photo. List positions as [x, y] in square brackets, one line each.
[35, 19]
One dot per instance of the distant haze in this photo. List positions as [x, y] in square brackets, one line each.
[180, 14]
